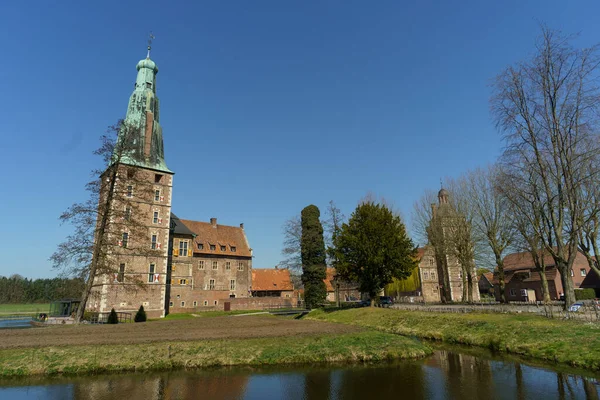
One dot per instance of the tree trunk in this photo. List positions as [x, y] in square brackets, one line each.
[567, 283]
[545, 291]
[470, 288]
[501, 284]
[98, 244]
[465, 284]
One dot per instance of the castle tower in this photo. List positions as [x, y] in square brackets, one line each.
[137, 258]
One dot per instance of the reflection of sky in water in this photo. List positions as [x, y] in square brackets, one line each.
[446, 375]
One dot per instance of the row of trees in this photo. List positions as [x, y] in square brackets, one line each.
[371, 248]
[542, 195]
[16, 289]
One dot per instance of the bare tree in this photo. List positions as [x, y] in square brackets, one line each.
[292, 233]
[99, 223]
[332, 227]
[489, 217]
[546, 108]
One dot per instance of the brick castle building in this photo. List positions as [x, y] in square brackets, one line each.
[158, 260]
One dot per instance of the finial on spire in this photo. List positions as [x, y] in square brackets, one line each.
[441, 184]
[150, 38]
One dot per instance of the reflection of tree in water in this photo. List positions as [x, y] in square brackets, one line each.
[317, 385]
[164, 386]
[406, 380]
[468, 377]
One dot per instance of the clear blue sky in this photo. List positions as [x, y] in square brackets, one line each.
[266, 106]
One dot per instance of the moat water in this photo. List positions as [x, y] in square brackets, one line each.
[451, 373]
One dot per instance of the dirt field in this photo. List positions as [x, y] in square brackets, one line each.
[164, 331]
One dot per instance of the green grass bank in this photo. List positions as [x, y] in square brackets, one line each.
[69, 360]
[575, 343]
[32, 308]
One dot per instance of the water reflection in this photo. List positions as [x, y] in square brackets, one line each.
[445, 375]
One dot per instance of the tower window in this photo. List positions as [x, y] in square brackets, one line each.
[157, 178]
[157, 195]
[155, 218]
[125, 239]
[121, 275]
[149, 85]
[129, 191]
[151, 273]
[127, 214]
[153, 245]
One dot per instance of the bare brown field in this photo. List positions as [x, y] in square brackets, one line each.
[175, 330]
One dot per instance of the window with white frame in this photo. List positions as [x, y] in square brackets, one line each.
[582, 271]
[425, 275]
[240, 266]
[432, 275]
[205, 302]
[157, 195]
[121, 275]
[151, 270]
[232, 284]
[195, 303]
[155, 217]
[211, 284]
[183, 304]
[183, 248]
[125, 239]
[215, 265]
[227, 265]
[153, 239]
[201, 264]
[572, 273]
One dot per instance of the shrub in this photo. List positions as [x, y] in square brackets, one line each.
[585, 294]
[141, 315]
[112, 317]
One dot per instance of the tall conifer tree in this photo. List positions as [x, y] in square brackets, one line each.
[313, 253]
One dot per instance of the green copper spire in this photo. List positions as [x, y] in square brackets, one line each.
[142, 119]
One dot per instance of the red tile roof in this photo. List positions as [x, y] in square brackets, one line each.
[271, 279]
[524, 260]
[218, 235]
[330, 274]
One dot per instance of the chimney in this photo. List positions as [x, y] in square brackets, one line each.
[213, 222]
[242, 225]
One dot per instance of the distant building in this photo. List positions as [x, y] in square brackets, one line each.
[441, 275]
[272, 283]
[486, 284]
[522, 282]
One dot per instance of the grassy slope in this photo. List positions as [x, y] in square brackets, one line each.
[573, 342]
[23, 308]
[361, 346]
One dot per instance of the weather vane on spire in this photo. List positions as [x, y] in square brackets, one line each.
[150, 38]
[441, 184]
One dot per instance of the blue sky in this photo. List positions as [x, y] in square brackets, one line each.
[266, 106]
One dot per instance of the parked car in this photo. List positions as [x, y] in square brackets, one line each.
[385, 301]
[365, 303]
[575, 307]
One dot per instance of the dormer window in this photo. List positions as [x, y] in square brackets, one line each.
[149, 85]
[223, 248]
[213, 247]
[233, 249]
[200, 246]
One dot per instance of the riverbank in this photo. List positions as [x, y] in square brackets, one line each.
[195, 343]
[575, 343]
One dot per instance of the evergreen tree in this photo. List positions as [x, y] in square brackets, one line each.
[140, 316]
[312, 249]
[112, 317]
[373, 248]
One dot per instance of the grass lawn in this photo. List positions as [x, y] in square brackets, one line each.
[205, 314]
[349, 347]
[24, 308]
[573, 342]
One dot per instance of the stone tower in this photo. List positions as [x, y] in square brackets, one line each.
[440, 271]
[136, 272]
